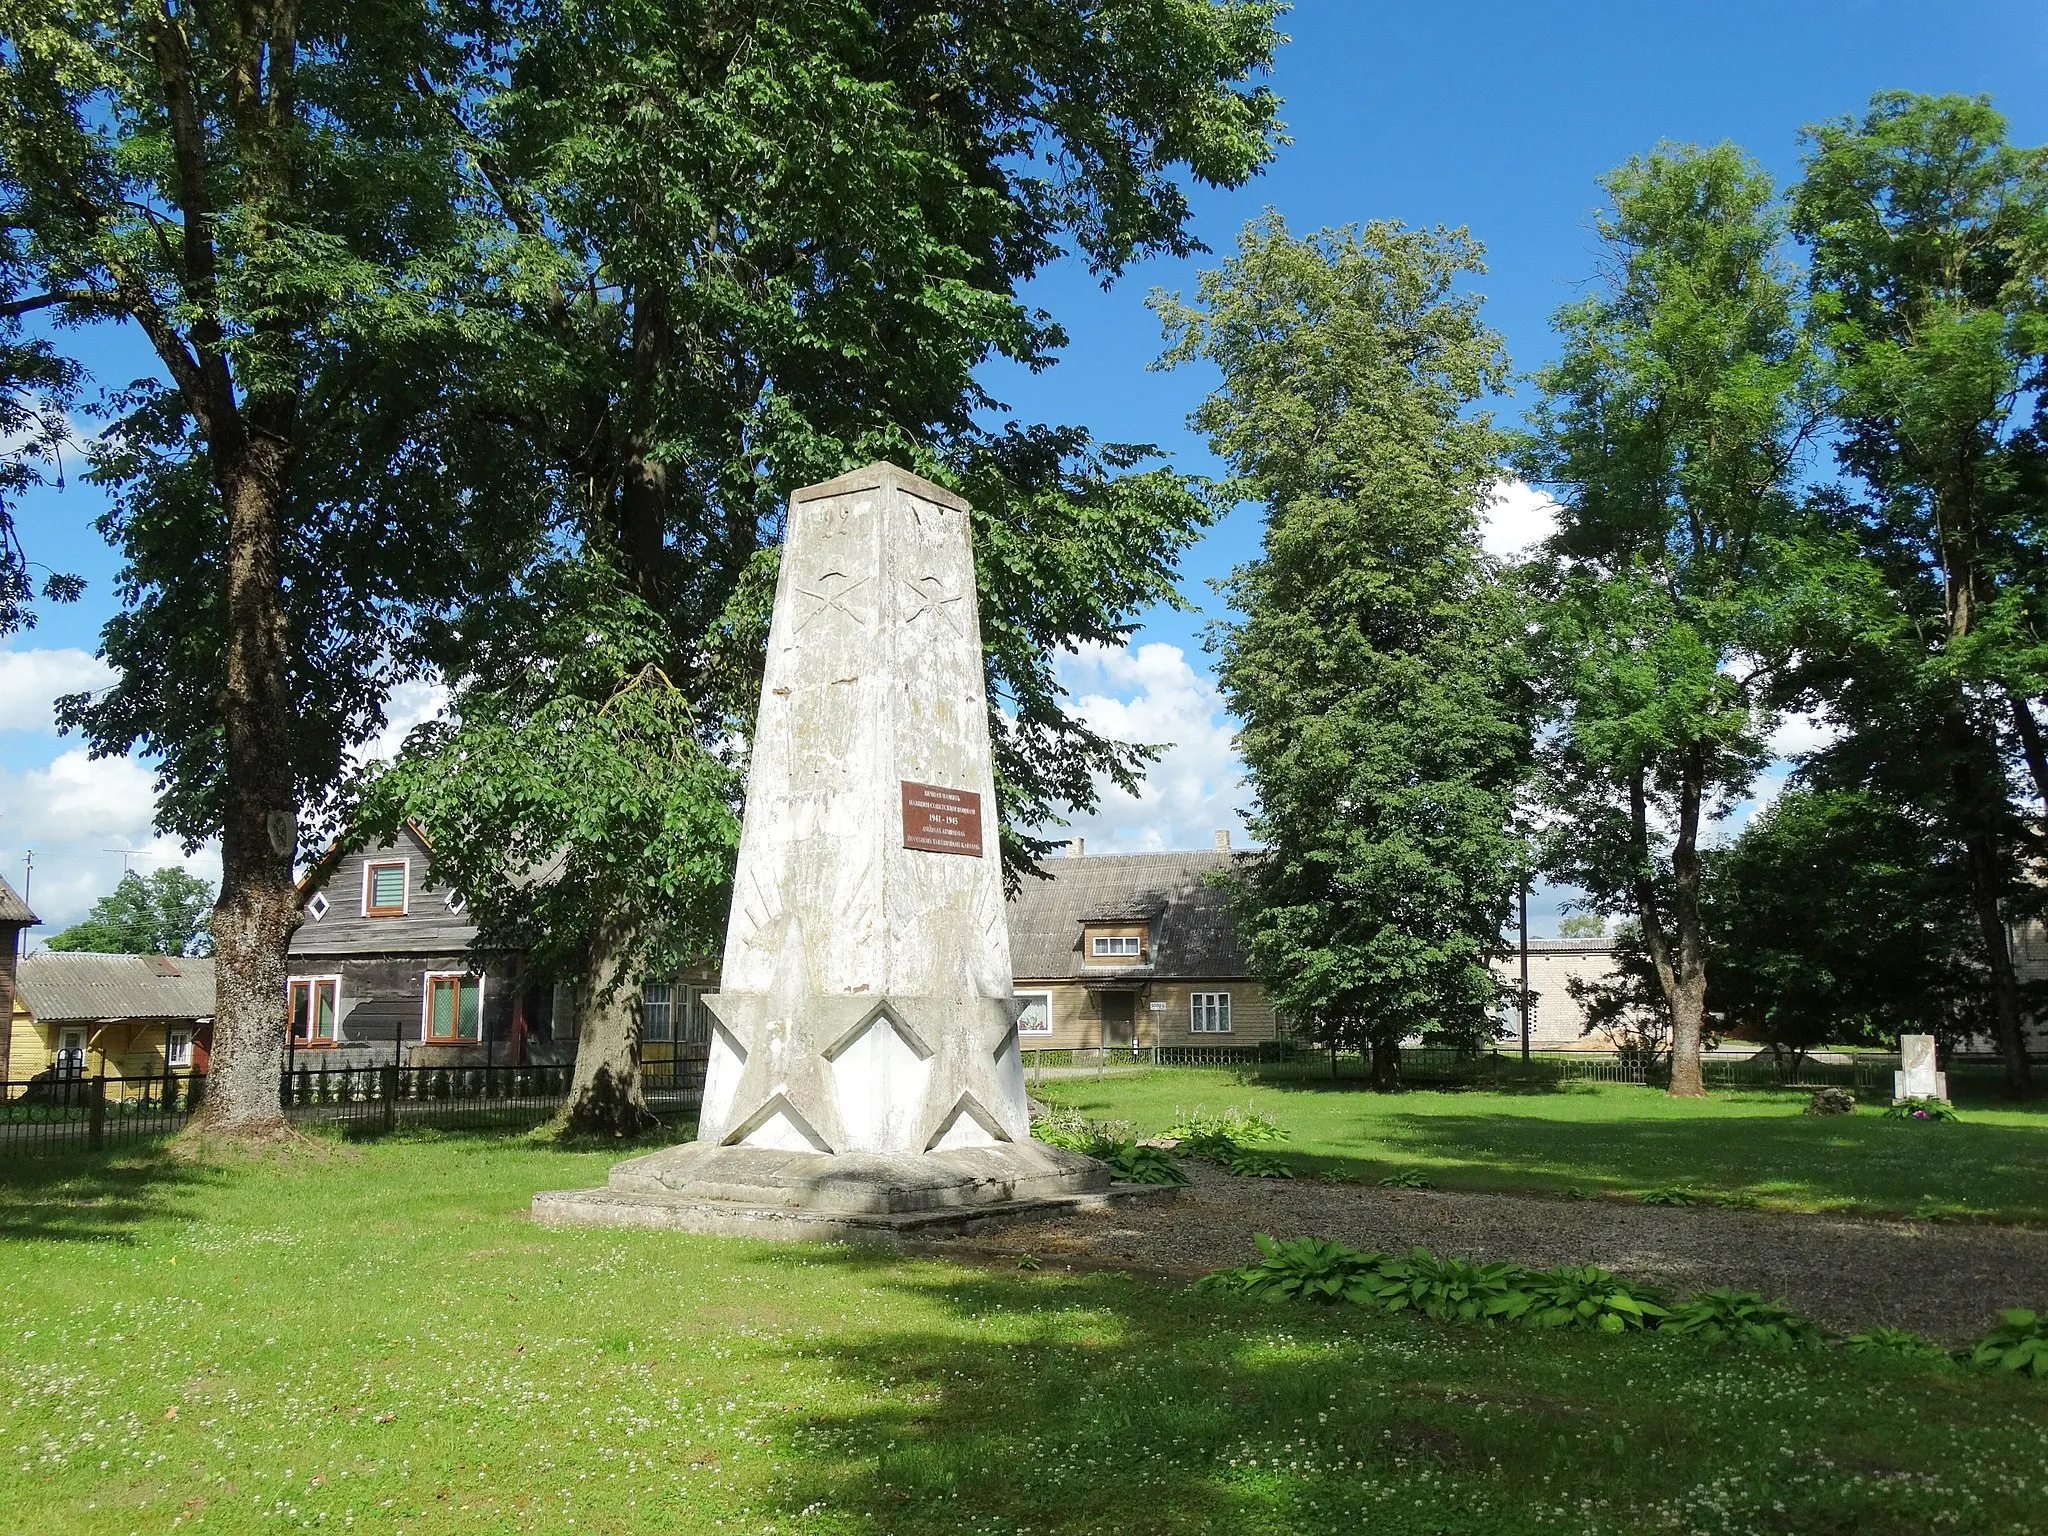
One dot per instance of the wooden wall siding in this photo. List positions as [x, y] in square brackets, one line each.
[1077, 1015]
[427, 927]
[380, 1004]
[1090, 961]
[127, 1048]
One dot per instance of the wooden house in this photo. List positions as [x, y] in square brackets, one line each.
[126, 1017]
[14, 916]
[1133, 950]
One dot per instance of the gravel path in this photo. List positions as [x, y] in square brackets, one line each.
[1943, 1280]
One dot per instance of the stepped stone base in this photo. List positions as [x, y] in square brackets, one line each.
[819, 1197]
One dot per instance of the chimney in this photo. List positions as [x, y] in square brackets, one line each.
[1223, 839]
[1077, 848]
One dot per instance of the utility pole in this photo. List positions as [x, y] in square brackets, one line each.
[1525, 967]
[28, 872]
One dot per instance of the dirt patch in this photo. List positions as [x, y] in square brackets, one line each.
[1946, 1281]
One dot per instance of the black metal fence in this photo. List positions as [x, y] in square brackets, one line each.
[60, 1114]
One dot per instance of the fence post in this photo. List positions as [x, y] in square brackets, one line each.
[389, 1093]
[96, 1113]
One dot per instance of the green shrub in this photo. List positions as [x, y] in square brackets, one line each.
[1450, 1290]
[1239, 1127]
[1091, 1138]
[1134, 1164]
[1406, 1178]
[1741, 1317]
[1738, 1200]
[1937, 1110]
[2019, 1343]
[1298, 1269]
[1901, 1343]
[1670, 1195]
[1587, 1296]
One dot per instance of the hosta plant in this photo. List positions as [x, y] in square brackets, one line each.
[1299, 1269]
[1741, 1317]
[1239, 1127]
[1451, 1290]
[2019, 1343]
[1670, 1195]
[1901, 1343]
[1250, 1163]
[1587, 1296]
[1935, 1110]
[1406, 1178]
[1131, 1163]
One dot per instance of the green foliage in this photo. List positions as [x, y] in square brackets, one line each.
[1372, 665]
[1447, 1289]
[1740, 1317]
[1668, 429]
[1587, 1296]
[1937, 1111]
[163, 913]
[1406, 1178]
[1250, 1163]
[1299, 1269]
[1582, 925]
[2019, 1344]
[1896, 1343]
[1239, 1127]
[1670, 1195]
[1738, 1200]
[1135, 1164]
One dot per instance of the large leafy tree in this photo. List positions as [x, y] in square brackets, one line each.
[1929, 240]
[257, 190]
[744, 247]
[164, 913]
[1669, 430]
[1371, 665]
[1842, 917]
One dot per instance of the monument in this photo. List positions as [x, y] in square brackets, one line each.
[1917, 1078]
[864, 1073]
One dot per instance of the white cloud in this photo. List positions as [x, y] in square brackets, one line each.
[86, 819]
[1517, 516]
[410, 704]
[1797, 735]
[1153, 695]
[30, 682]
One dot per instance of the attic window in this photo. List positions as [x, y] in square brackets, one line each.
[317, 907]
[384, 889]
[453, 901]
[1116, 944]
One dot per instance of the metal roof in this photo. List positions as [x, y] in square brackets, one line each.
[13, 909]
[56, 986]
[1193, 933]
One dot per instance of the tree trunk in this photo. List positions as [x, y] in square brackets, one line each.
[607, 1096]
[1682, 977]
[2030, 745]
[1980, 817]
[1386, 1063]
[258, 907]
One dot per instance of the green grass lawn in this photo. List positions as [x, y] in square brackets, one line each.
[1610, 1138]
[376, 1339]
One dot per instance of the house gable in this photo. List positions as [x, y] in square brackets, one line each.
[352, 909]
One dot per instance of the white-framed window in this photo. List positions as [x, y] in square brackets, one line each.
[1116, 944]
[657, 1011]
[317, 907]
[1036, 1019]
[178, 1048]
[1209, 1013]
[693, 1023]
[71, 1053]
[312, 1010]
[387, 885]
[453, 901]
[451, 1008]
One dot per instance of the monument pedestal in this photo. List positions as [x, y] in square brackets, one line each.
[743, 1191]
[864, 1074]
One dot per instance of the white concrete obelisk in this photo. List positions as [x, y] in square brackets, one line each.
[864, 1003]
[864, 1073]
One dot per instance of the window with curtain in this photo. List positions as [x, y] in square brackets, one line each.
[454, 1007]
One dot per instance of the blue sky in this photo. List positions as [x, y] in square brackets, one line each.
[1495, 116]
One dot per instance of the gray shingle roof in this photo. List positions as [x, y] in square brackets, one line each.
[57, 986]
[1193, 933]
[13, 909]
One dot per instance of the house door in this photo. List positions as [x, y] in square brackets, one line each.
[1119, 1028]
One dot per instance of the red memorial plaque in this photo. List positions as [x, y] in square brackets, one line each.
[940, 820]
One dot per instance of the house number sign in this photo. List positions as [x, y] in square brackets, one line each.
[940, 820]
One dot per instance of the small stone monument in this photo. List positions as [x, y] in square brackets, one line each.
[1917, 1078]
[864, 1074]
